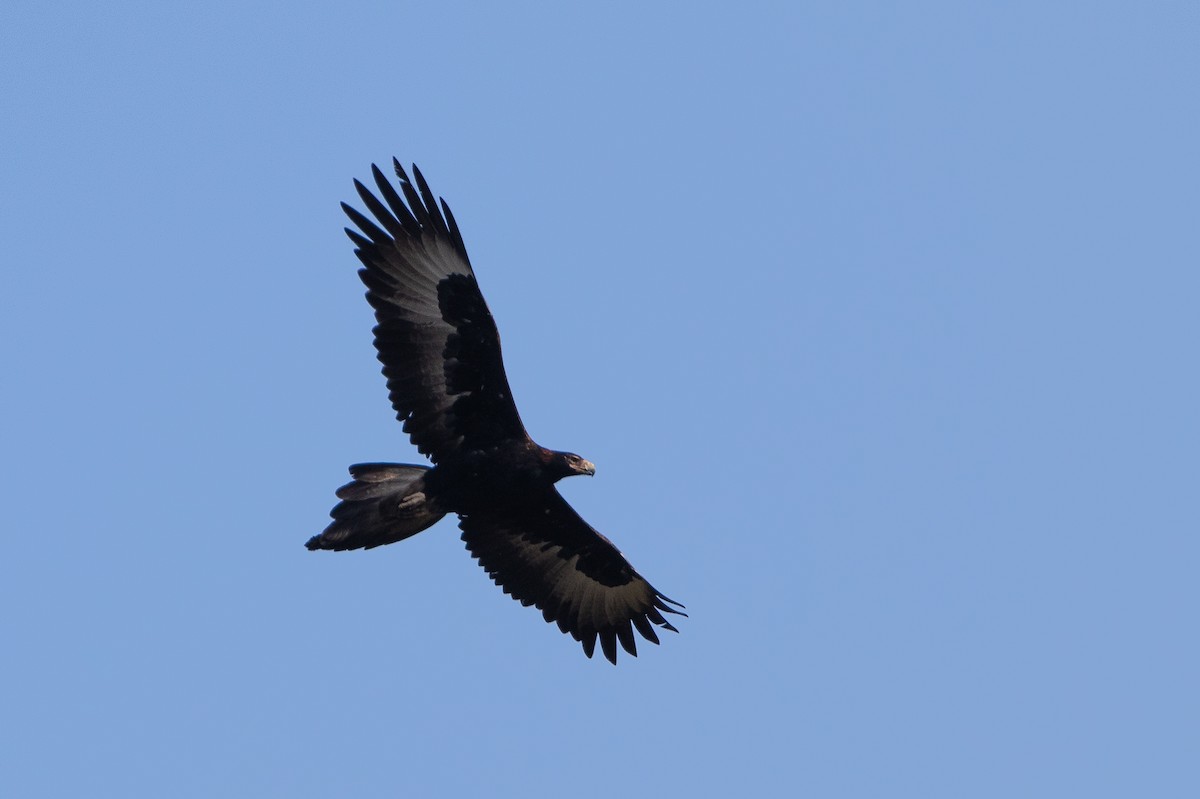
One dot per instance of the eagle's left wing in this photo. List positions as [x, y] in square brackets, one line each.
[544, 554]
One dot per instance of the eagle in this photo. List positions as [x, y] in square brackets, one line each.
[440, 351]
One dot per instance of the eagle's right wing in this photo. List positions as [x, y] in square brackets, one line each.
[435, 335]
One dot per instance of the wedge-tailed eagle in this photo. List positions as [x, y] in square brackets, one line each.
[441, 356]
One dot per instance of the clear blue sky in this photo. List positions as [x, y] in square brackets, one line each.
[880, 324]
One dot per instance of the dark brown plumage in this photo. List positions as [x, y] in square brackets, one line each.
[441, 356]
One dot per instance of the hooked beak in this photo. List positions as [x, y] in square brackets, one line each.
[588, 468]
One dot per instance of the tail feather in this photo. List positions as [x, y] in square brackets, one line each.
[385, 503]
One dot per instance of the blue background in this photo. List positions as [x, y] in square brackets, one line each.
[879, 321]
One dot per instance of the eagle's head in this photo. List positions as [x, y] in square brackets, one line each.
[566, 464]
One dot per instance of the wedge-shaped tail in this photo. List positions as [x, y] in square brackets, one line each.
[385, 503]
